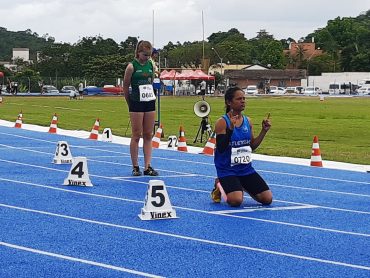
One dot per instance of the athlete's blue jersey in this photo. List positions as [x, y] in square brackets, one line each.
[241, 137]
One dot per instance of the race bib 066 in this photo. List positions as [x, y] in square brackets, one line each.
[146, 92]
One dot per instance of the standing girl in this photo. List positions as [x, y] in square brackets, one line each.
[141, 103]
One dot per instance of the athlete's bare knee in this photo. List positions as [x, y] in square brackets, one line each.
[147, 136]
[234, 202]
[135, 138]
[265, 198]
[266, 201]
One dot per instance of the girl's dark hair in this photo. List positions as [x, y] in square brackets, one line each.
[229, 95]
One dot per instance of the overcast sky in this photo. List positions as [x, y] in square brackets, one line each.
[174, 20]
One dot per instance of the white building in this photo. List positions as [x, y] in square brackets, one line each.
[326, 78]
[21, 53]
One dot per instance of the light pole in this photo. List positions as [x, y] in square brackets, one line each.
[221, 59]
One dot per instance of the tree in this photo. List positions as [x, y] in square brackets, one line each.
[128, 46]
[105, 67]
[344, 39]
[273, 55]
[300, 54]
[28, 80]
[219, 37]
[266, 50]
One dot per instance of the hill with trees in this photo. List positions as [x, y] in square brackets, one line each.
[22, 39]
[344, 41]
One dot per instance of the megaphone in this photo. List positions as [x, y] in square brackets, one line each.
[202, 108]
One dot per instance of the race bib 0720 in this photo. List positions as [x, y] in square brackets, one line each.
[241, 155]
[146, 92]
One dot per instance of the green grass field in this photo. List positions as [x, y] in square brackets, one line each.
[342, 124]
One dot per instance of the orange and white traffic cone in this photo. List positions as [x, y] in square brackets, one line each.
[156, 140]
[182, 147]
[95, 130]
[18, 122]
[316, 154]
[209, 148]
[53, 125]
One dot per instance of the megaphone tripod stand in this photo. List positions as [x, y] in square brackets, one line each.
[204, 127]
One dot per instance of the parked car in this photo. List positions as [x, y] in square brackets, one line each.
[364, 91]
[251, 89]
[110, 89]
[2, 89]
[312, 91]
[291, 90]
[49, 89]
[92, 90]
[106, 90]
[277, 90]
[68, 90]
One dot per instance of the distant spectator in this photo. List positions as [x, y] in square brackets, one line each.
[154, 61]
[15, 88]
[203, 86]
[72, 95]
[81, 90]
[9, 86]
[41, 85]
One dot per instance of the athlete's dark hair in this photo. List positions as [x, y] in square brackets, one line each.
[229, 96]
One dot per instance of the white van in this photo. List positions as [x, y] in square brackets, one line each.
[365, 82]
[251, 90]
[334, 89]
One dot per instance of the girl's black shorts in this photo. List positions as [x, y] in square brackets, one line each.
[253, 184]
[141, 106]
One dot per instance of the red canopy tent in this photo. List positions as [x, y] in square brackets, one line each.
[168, 75]
[185, 75]
[201, 75]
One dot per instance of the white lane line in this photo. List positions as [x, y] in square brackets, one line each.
[106, 156]
[67, 108]
[260, 208]
[193, 162]
[185, 175]
[74, 259]
[212, 242]
[26, 149]
[193, 210]
[324, 207]
[72, 191]
[279, 185]
[190, 175]
[313, 177]
[320, 190]
[169, 176]
[179, 174]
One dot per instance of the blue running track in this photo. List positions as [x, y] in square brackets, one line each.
[317, 226]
